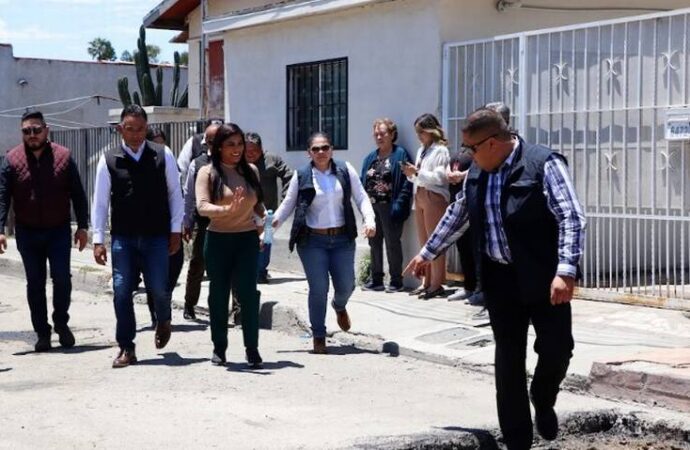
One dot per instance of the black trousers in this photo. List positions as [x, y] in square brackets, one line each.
[469, 265]
[510, 318]
[197, 267]
[36, 247]
[389, 231]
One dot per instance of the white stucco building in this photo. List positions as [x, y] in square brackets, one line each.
[593, 79]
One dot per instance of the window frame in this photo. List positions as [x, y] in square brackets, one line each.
[338, 144]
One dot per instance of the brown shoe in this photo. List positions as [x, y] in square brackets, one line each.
[343, 320]
[124, 358]
[320, 346]
[163, 330]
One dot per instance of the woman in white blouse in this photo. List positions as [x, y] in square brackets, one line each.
[431, 195]
[324, 230]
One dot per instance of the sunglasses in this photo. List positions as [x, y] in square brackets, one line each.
[323, 148]
[473, 148]
[32, 130]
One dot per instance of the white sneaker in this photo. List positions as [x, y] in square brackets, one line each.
[460, 294]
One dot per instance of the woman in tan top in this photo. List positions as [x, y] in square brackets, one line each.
[229, 194]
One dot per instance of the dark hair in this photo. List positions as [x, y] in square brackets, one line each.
[430, 124]
[33, 115]
[225, 131]
[153, 132]
[487, 121]
[133, 110]
[500, 108]
[213, 121]
[253, 138]
[317, 134]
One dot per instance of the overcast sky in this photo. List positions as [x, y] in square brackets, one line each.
[62, 29]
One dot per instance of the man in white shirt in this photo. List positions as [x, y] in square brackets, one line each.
[138, 182]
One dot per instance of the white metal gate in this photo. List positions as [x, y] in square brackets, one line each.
[598, 93]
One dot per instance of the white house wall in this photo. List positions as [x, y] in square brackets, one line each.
[388, 46]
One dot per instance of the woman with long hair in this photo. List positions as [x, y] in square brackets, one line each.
[228, 192]
[429, 174]
[324, 230]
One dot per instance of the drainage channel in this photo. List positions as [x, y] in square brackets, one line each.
[598, 430]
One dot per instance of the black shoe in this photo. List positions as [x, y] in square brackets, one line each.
[262, 279]
[189, 313]
[420, 290]
[547, 423]
[373, 286]
[426, 295]
[254, 358]
[391, 288]
[218, 360]
[66, 336]
[43, 343]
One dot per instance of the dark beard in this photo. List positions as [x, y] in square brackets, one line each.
[35, 147]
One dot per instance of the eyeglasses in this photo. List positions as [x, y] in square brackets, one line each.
[473, 148]
[322, 148]
[32, 130]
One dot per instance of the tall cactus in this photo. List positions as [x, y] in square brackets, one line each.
[123, 91]
[176, 80]
[151, 95]
[159, 86]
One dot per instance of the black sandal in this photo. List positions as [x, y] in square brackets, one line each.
[440, 292]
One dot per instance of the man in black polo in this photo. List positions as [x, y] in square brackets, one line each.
[41, 178]
[139, 183]
[527, 228]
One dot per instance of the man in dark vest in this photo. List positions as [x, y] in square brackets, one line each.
[527, 228]
[139, 183]
[194, 147]
[41, 178]
[197, 266]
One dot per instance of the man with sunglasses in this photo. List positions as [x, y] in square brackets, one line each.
[527, 228]
[41, 179]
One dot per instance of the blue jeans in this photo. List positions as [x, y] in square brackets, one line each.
[36, 246]
[131, 256]
[264, 260]
[321, 256]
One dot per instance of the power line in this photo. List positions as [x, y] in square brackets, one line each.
[57, 102]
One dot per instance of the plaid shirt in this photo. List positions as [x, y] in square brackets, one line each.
[561, 201]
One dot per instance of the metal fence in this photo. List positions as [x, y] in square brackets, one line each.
[87, 145]
[598, 93]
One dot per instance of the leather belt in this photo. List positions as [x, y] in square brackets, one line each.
[328, 231]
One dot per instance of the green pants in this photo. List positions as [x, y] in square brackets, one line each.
[231, 260]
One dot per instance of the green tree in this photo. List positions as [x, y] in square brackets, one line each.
[101, 49]
[126, 56]
[154, 51]
[184, 58]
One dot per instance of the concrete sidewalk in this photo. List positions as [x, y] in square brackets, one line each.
[621, 351]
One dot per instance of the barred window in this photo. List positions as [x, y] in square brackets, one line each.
[317, 101]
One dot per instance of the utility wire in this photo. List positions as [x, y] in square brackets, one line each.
[57, 102]
[592, 8]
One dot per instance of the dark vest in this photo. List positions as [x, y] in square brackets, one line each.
[139, 192]
[531, 229]
[41, 189]
[199, 162]
[306, 194]
[198, 148]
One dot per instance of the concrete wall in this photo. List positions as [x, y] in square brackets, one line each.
[53, 80]
[476, 19]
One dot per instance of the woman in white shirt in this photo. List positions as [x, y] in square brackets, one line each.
[324, 230]
[431, 195]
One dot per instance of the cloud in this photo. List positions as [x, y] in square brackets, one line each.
[29, 33]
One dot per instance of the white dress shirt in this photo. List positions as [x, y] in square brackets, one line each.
[101, 194]
[326, 210]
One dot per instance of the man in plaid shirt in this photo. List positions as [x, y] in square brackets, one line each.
[528, 230]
